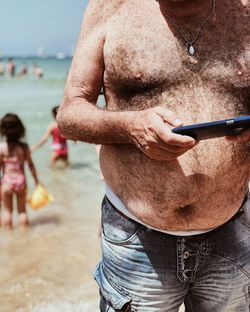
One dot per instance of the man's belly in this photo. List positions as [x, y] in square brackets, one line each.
[200, 190]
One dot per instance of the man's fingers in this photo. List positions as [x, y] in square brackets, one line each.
[156, 139]
[166, 135]
[240, 138]
[181, 140]
[168, 116]
[170, 138]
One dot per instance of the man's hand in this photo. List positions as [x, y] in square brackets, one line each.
[150, 131]
[244, 136]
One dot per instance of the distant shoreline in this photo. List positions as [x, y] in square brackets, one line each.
[34, 57]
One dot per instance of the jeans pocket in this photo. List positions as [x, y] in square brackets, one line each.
[111, 300]
[106, 307]
[116, 227]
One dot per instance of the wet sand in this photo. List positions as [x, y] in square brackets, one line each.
[49, 266]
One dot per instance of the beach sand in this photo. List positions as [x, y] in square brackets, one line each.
[49, 266]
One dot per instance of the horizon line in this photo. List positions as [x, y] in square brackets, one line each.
[35, 56]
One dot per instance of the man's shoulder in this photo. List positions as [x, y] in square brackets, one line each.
[100, 11]
[103, 6]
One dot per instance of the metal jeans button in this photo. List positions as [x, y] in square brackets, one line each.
[186, 255]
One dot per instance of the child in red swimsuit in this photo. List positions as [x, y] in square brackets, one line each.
[59, 143]
[13, 155]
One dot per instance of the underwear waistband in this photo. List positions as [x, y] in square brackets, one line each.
[118, 204]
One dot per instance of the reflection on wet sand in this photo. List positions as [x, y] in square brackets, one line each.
[49, 266]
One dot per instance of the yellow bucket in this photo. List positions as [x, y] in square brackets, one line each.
[40, 197]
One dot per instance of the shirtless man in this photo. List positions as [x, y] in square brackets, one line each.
[175, 223]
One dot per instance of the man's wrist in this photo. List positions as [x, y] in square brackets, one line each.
[124, 122]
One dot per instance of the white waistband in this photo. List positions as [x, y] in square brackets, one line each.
[118, 204]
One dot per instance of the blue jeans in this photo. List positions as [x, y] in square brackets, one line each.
[147, 271]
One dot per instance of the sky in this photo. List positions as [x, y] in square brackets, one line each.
[28, 27]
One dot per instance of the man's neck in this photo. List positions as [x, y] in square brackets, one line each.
[185, 9]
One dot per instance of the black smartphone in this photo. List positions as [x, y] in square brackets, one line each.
[215, 129]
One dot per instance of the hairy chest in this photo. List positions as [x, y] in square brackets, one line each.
[143, 52]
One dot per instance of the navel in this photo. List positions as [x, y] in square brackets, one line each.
[185, 210]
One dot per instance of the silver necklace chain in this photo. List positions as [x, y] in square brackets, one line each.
[190, 43]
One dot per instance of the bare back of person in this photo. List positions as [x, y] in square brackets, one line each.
[204, 187]
[13, 159]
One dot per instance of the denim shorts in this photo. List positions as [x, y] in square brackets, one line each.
[148, 271]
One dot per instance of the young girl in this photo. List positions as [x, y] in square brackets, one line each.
[59, 143]
[13, 156]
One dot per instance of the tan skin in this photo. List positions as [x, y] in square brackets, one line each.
[151, 84]
[23, 154]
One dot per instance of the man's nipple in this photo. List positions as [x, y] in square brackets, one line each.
[139, 75]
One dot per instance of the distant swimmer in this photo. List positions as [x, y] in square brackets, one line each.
[37, 70]
[2, 68]
[59, 143]
[23, 71]
[11, 67]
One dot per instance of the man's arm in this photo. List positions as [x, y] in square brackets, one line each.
[79, 118]
[241, 138]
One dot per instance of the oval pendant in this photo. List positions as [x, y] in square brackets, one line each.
[191, 49]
